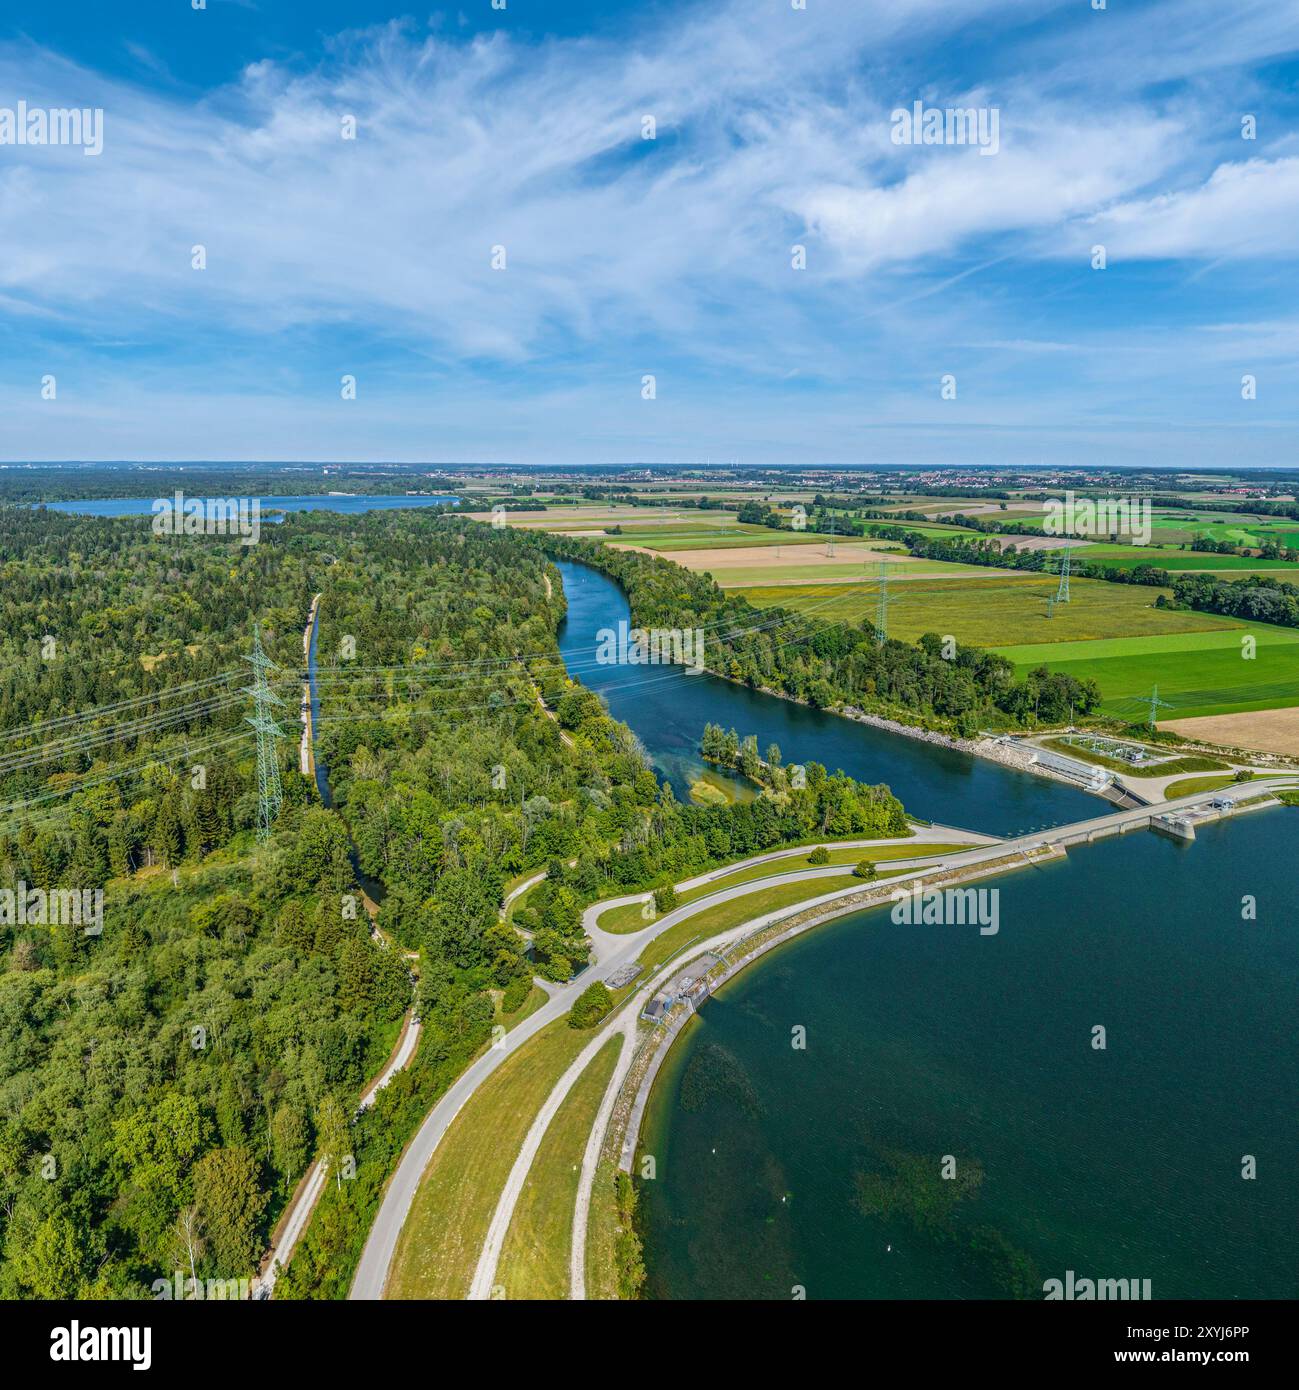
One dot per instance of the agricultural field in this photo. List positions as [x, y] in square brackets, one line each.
[735, 536]
[995, 611]
[973, 505]
[1170, 558]
[1174, 528]
[923, 528]
[1198, 673]
[1267, 731]
[596, 516]
[812, 565]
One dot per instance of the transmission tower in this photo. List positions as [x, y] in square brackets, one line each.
[269, 733]
[882, 606]
[1155, 705]
[1062, 593]
[829, 548]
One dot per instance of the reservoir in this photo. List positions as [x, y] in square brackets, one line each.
[816, 1168]
[779, 1167]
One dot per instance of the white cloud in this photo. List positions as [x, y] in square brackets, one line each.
[1043, 175]
[1244, 209]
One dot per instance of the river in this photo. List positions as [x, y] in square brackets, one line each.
[783, 1168]
[667, 709]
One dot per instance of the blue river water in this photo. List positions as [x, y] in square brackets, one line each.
[667, 709]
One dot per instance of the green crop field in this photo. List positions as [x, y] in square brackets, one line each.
[835, 573]
[1198, 673]
[996, 611]
[925, 528]
[1165, 557]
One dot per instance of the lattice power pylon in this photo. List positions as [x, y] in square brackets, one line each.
[269, 792]
[882, 606]
[1062, 593]
[1155, 705]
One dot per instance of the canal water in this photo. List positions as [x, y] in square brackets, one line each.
[783, 1168]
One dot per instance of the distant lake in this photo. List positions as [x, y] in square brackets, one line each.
[351, 502]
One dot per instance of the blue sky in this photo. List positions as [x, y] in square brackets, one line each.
[626, 257]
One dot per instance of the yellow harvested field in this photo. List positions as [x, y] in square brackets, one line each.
[1264, 730]
[810, 557]
[565, 518]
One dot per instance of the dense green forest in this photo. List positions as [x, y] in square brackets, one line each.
[835, 664]
[129, 1149]
[164, 1083]
[1259, 599]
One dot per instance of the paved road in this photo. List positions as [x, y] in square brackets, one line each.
[930, 835]
[611, 951]
[489, 1258]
